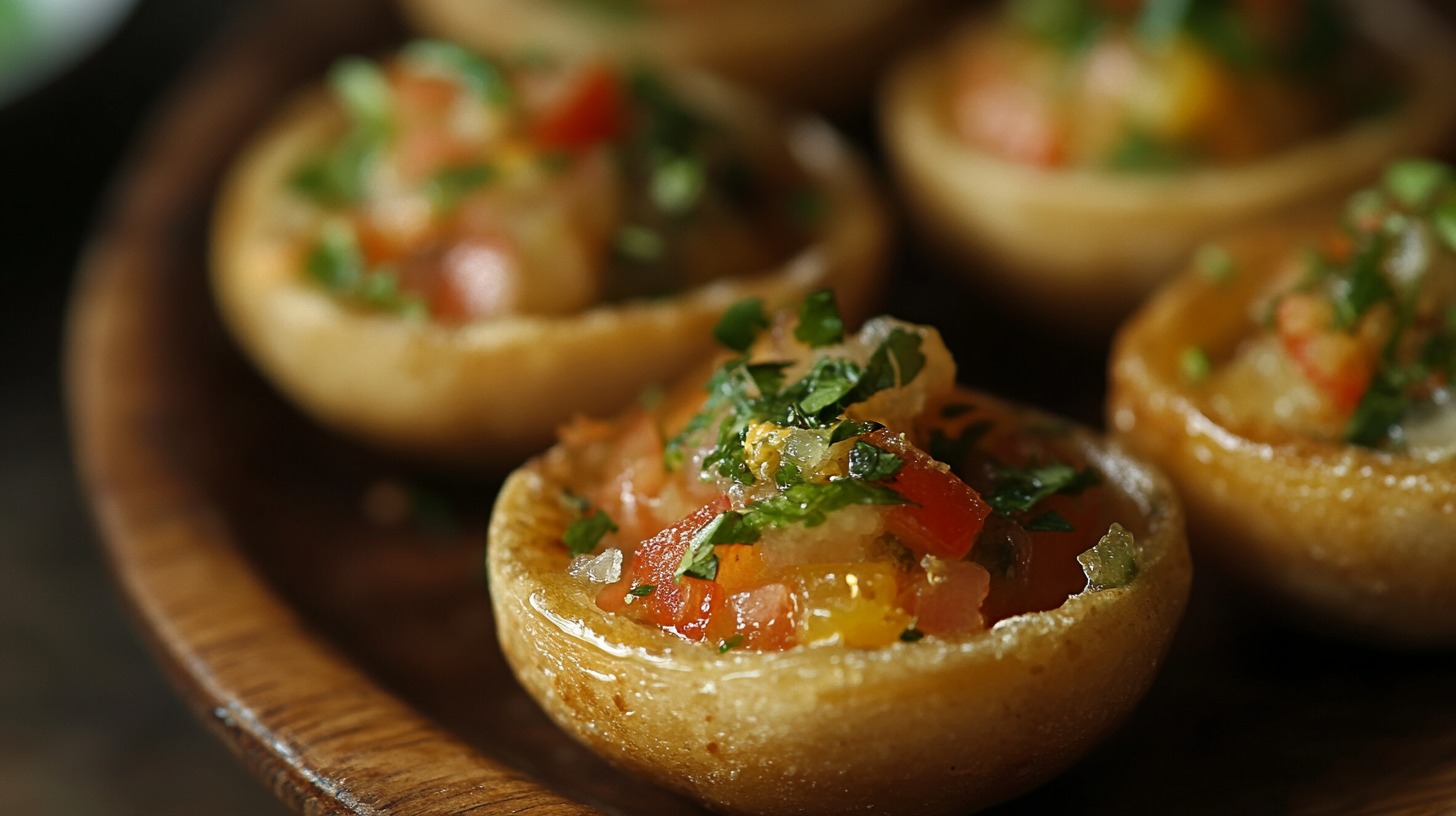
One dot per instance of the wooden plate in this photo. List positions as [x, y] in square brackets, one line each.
[352, 664]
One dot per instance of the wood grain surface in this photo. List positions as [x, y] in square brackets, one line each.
[348, 656]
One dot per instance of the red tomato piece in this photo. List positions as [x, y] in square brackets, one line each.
[947, 514]
[683, 605]
[948, 600]
[1339, 364]
[591, 111]
[762, 619]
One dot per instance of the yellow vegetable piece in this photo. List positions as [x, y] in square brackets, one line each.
[853, 604]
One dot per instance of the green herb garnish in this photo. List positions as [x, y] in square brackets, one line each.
[1215, 262]
[730, 644]
[1049, 522]
[478, 75]
[871, 463]
[1020, 489]
[447, 186]
[1194, 364]
[642, 590]
[1414, 182]
[954, 450]
[740, 325]
[819, 321]
[640, 243]
[911, 635]
[584, 533]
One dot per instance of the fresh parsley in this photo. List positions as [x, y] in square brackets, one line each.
[871, 463]
[741, 324]
[819, 321]
[1020, 489]
[585, 532]
[478, 75]
[447, 186]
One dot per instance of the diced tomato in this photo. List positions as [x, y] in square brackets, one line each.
[761, 619]
[1036, 571]
[1005, 116]
[947, 598]
[1337, 363]
[683, 605]
[420, 96]
[947, 514]
[465, 279]
[589, 112]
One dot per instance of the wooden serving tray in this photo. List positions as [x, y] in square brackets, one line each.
[352, 665]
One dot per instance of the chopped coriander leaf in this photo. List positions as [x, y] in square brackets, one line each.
[640, 243]
[678, 184]
[699, 560]
[811, 503]
[911, 635]
[1194, 364]
[363, 90]
[871, 463]
[1414, 181]
[342, 175]
[480, 76]
[380, 289]
[1215, 262]
[730, 644]
[788, 475]
[1381, 407]
[732, 527]
[727, 458]
[642, 590]
[819, 321]
[336, 261]
[740, 325]
[1111, 562]
[768, 378]
[827, 384]
[1019, 489]
[808, 504]
[583, 534]
[1049, 522]
[896, 361]
[954, 450]
[449, 185]
[849, 429]
[1365, 286]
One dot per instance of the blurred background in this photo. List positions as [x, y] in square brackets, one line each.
[87, 723]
